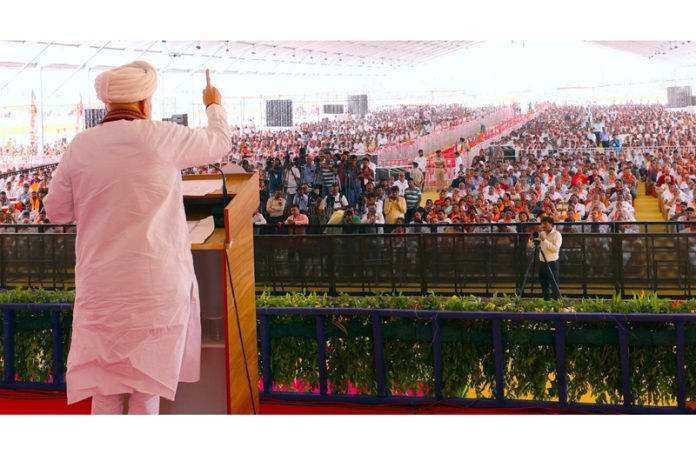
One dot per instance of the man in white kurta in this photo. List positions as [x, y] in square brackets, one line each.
[136, 324]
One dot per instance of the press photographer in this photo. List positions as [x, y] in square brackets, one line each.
[547, 241]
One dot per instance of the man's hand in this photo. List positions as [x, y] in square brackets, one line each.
[542, 235]
[211, 95]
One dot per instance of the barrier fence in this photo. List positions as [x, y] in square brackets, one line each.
[479, 263]
[600, 259]
[46, 164]
[397, 154]
[37, 260]
[632, 152]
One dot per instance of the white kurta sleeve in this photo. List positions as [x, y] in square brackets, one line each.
[199, 146]
[59, 200]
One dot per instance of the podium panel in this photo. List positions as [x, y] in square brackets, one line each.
[224, 266]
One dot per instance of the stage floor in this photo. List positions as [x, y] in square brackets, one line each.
[47, 403]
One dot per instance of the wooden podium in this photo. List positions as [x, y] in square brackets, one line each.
[229, 378]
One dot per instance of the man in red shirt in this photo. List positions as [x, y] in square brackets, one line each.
[579, 177]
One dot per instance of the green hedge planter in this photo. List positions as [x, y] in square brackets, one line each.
[468, 368]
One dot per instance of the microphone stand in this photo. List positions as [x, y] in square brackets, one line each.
[219, 212]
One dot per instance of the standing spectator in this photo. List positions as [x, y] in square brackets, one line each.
[329, 174]
[301, 199]
[275, 207]
[309, 172]
[401, 183]
[291, 180]
[440, 171]
[275, 176]
[367, 176]
[421, 161]
[413, 195]
[394, 206]
[314, 200]
[352, 180]
[417, 176]
[373, 217]
[334, 201]
[458, 161]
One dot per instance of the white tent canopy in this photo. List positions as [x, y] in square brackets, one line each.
[313, 73]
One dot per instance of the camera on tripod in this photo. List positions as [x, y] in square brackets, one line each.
[535, 236]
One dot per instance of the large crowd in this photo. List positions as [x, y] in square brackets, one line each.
[573, 163]
[376, 131]
[14, 157]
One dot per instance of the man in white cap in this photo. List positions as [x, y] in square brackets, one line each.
[136, 324]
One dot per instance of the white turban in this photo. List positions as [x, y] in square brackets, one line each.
[127, 84]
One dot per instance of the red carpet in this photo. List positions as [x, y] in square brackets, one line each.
[39, 402]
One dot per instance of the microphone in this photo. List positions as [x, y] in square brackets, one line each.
[219, 212]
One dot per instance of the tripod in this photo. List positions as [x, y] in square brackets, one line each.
[530, 266]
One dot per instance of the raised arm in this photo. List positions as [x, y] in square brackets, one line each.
[198, 146]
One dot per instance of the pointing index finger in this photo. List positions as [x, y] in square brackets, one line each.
[207, 77]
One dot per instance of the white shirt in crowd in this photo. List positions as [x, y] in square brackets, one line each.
[422, 162]
[402, 186]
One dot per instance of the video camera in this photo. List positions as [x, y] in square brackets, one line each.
[535, 237]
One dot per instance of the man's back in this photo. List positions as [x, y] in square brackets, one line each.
[125, 181]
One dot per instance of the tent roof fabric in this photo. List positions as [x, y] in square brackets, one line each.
[235, 57]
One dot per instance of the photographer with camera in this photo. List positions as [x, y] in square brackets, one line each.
[548, 241]
[291, 179]
[274, 171]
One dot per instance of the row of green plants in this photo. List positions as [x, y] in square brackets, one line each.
[592, 353]
[33, 338]
[468, 368]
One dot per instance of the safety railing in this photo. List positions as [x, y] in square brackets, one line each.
[633, 152]
[481, 263]
[391, 155]
[574, 227]
[437, 338]
[20, 228]
[482, 259]
[35, 259]
[30, 170]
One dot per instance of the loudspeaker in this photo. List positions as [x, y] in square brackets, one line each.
[357, 105]
[333, 108]
[279, 113]
[93, 117]
[678, 96]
